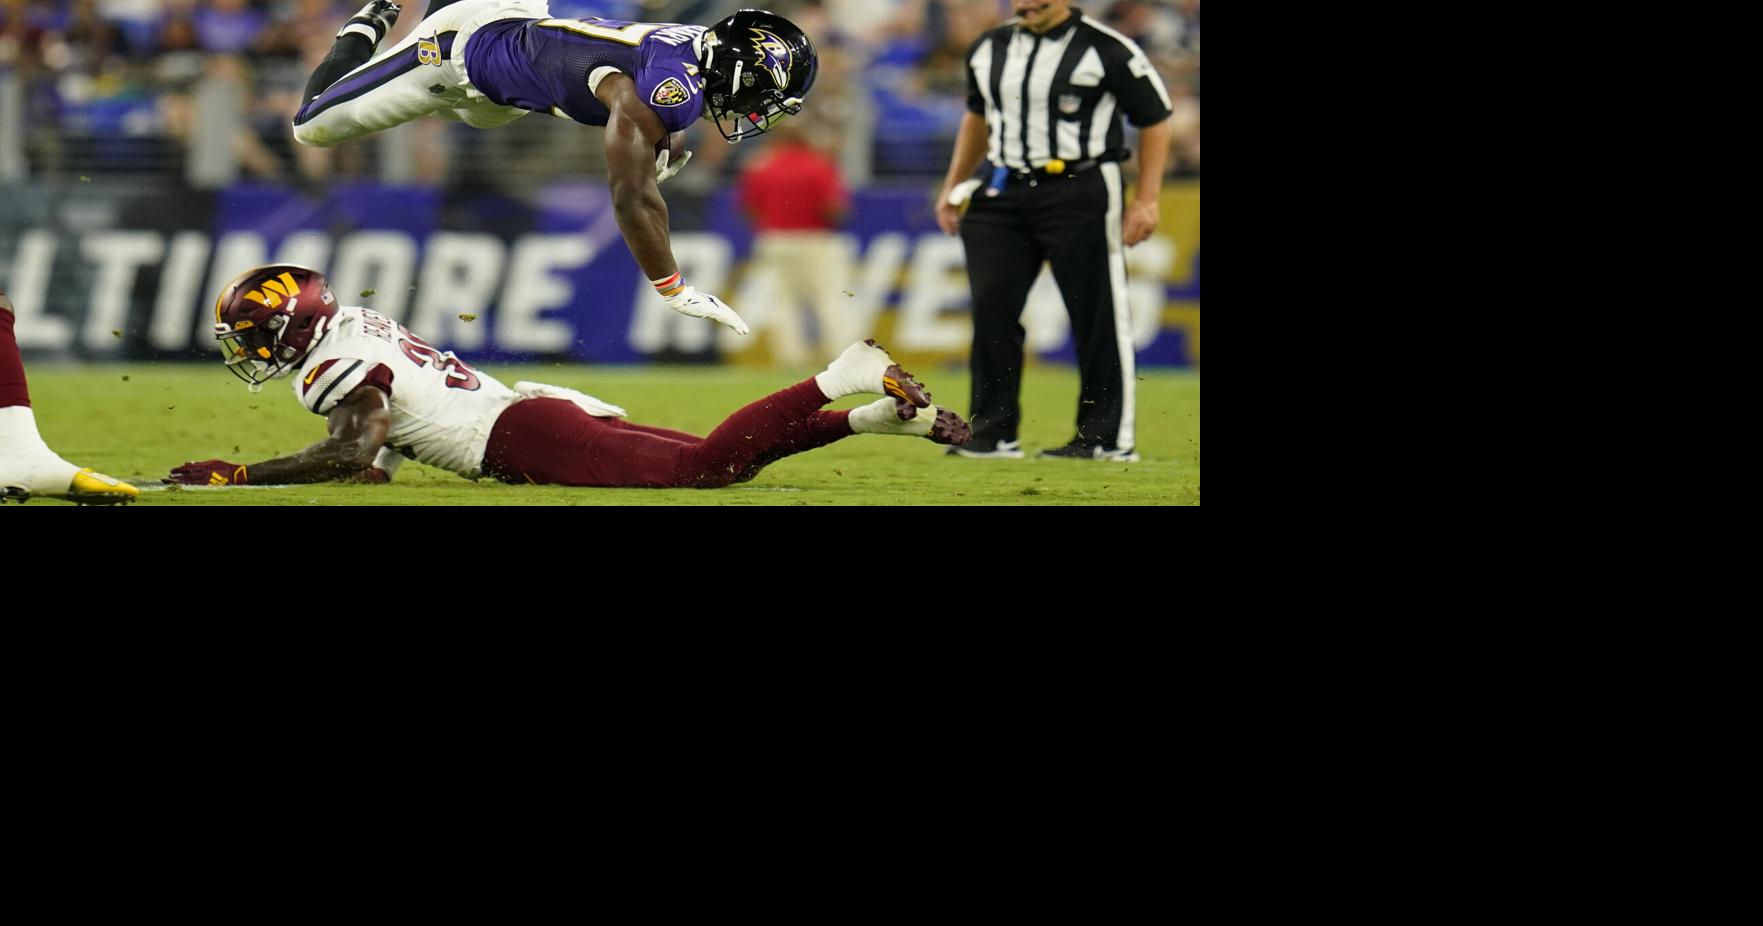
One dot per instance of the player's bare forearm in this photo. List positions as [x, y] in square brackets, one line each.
[1141, 218]
[358, 429]
[642, 217]
[1153, 156]
[970, 146]
[632, 132]
[324, 461]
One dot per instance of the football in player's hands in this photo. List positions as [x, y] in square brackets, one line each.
[670, 156]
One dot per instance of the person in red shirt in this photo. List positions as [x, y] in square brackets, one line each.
[795, 198]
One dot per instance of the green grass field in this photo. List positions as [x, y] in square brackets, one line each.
[137, 422]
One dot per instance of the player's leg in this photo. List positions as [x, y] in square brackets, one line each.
[14, 391]
[398, 85]
[668, 433]
[791, 421]
[354, 45]
[27, 465]
[1089, 264]
[1003, 259]
[553, 441]
[550, 441]
[784, 423]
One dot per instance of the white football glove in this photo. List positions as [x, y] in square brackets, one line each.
[663, 171]
[689, 301]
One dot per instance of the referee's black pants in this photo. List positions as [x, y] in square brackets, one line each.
[1074, 224]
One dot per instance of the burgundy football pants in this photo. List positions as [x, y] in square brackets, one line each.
[555, 442]
[12, 384]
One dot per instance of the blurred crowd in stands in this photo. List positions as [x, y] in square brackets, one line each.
[162, 87]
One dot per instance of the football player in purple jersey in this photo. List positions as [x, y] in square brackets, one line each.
[489, 62]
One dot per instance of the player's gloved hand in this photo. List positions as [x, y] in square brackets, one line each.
[689, 301]
[207, 473]
[663, 171]
[373, 22]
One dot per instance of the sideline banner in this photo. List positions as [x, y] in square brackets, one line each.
[101, 271]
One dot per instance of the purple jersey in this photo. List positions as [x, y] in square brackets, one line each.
[545, 65]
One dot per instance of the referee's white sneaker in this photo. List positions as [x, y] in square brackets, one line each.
[1078, 450]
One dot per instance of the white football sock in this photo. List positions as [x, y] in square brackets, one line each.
[857, 371]
[24, 459]
[878, 418]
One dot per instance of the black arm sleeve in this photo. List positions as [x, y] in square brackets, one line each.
[1137, 85]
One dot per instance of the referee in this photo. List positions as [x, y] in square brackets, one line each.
[1046, 93]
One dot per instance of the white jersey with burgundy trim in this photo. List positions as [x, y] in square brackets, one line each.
[442, 409]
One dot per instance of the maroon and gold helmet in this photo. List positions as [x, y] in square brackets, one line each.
[269, 318]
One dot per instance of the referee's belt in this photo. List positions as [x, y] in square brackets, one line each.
[1056, 169]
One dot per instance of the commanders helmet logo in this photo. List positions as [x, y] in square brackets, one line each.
[669, 92]
[270, 293]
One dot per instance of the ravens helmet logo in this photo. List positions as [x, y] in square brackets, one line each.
[774, 55]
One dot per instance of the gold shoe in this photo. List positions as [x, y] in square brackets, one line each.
[90, 488]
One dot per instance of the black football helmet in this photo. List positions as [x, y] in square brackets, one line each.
[757, 69]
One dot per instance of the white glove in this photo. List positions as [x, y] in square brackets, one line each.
[689, 301]
[962, 191]
[662, 171]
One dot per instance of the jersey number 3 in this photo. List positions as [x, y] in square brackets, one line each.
[459, 375]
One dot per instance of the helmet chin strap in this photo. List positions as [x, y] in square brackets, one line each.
[734, 88]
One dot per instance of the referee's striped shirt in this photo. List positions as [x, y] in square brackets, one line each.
[1061, 94]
